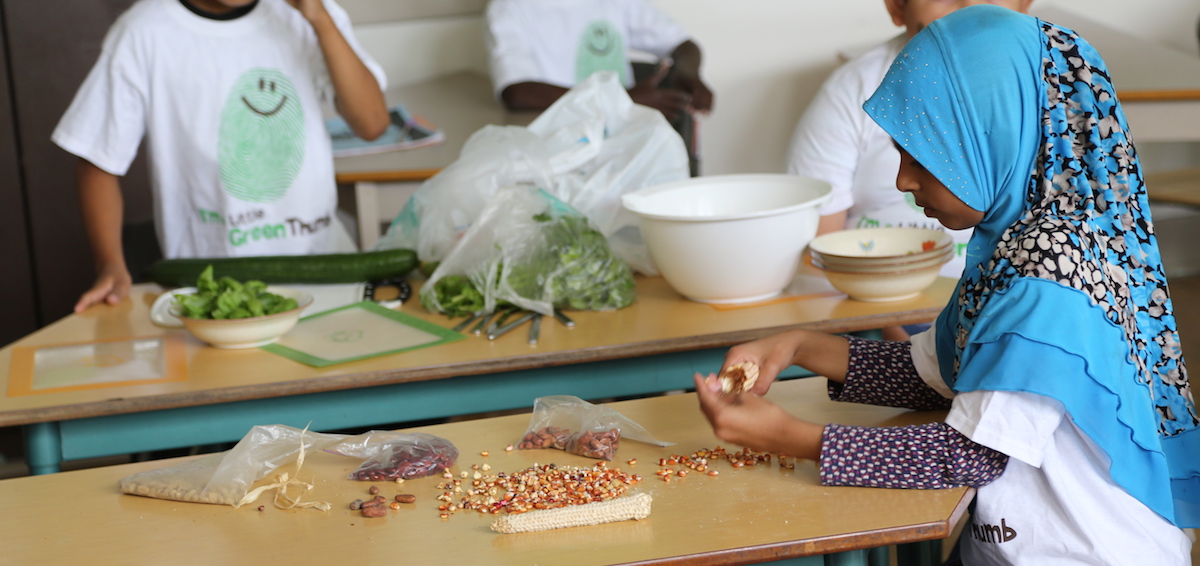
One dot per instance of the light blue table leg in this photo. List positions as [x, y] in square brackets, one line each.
[43, 447]
[848, 558]
[878, 556]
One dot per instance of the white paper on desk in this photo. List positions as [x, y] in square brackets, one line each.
[104, 362]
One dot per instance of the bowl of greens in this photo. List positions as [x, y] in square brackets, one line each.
[231, 314]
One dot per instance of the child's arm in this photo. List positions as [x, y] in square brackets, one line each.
[103, 209]
[882, 372]
[357, 95]
[672, 102]
[686, 59]
[530, 95]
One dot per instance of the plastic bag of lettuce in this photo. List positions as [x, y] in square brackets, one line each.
[533, 251]
[228, 298]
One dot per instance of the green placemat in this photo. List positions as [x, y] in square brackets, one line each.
[357, 332]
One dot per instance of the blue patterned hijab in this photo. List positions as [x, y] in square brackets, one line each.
[1064, 293]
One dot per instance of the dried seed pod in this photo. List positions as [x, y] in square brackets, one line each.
[406, 498]
[356, 505]
[738, 378]
[373, 490]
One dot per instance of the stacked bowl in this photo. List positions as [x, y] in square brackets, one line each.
[882, 264]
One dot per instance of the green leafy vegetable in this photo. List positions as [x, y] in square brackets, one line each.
[572, 268]
[228, 298]
[456, 295]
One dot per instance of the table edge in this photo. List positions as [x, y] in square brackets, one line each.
[406, 375]
[934, 530]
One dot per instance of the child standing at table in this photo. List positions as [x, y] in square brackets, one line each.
[228, 95]
[1069, 403]
[538, 50]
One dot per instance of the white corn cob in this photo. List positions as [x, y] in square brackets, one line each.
[636, 506]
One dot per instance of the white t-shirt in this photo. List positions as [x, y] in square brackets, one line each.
[562, 42]
[240, 161]
[1055, 503]
[836, 142]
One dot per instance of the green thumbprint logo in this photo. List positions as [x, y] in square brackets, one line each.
[260, 146]
[600, 49]
[912, 201]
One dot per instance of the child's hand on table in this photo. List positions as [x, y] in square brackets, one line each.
[112, 284]
[753, 422]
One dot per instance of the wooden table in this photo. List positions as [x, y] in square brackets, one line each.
[743, 516]
[653, 346]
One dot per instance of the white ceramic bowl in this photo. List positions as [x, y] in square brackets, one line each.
[923, 261]
[729, 238]
[880, 287]
[235, 333]
[877, 246]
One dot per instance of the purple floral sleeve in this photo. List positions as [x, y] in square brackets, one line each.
[882, 373]
[929, 456]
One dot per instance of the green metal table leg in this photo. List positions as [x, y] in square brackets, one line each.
[925, 553]
[878, 556]
[43, 447]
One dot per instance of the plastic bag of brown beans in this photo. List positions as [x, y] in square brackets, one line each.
[391, 455]
[569, 423]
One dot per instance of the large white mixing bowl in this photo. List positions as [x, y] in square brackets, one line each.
[729, 238]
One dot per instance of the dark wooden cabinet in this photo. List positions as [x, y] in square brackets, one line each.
[50, 49]
[16, 265]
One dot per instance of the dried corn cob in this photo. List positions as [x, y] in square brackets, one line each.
[636, 506]
[739, 378]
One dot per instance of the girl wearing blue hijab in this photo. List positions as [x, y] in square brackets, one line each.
[1058, 357]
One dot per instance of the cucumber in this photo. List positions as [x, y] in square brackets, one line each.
[327, 268]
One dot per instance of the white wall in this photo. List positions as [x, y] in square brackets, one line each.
[764, 59]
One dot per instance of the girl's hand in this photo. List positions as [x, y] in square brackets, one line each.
[824, 354]
[756, 423]
[772, 355]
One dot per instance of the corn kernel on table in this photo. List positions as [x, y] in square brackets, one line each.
[742, 516]
[653, 346]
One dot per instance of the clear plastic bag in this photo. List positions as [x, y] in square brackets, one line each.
[391, 455]
[226, 478]
[579, 427]
[587, 149]
[531, 250]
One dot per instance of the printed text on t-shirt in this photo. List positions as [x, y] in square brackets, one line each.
[993, 533]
